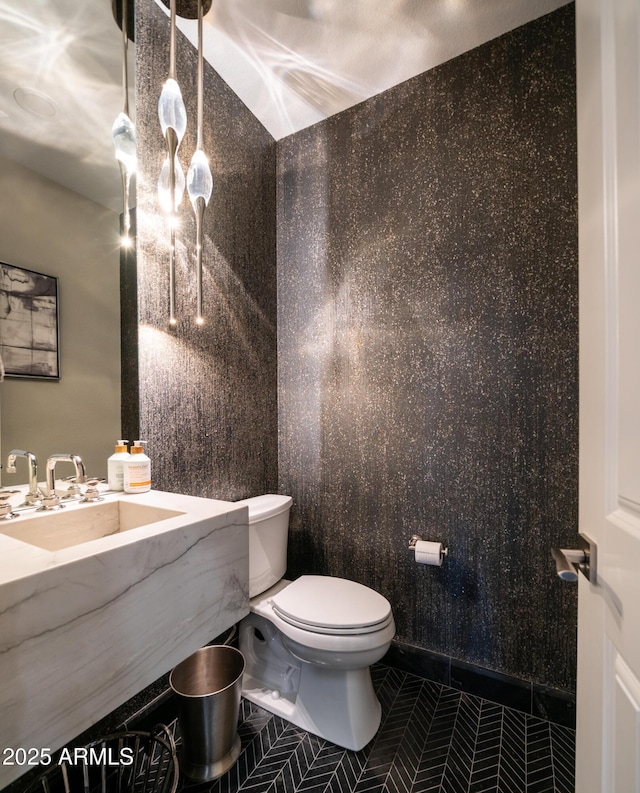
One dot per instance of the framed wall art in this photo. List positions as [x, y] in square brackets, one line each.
[29, 323]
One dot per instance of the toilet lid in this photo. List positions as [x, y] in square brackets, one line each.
[331, 605]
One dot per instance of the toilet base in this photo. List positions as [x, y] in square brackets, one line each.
[334, 703]
[345, 712]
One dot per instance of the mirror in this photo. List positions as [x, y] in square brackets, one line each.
[60, 206]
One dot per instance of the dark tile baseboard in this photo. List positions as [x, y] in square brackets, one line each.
[537, 700]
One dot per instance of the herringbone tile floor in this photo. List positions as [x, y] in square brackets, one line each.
[432, 739]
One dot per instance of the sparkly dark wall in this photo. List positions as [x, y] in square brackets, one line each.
[208, 398]
[427, 349]
[427, 287]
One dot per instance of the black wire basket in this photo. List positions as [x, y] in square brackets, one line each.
[125, 762]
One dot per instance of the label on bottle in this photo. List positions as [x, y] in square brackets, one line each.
[115, 475]
[138, 476]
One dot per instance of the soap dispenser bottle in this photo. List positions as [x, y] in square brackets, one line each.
[137, 470]
[115, 466]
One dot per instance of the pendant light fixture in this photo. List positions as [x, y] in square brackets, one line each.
[199, 179]
[123, 133]
[173, 122]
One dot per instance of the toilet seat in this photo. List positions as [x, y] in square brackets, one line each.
[309, 642]
[331, 606]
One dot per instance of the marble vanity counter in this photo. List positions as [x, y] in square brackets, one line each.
[85, 627]
[20, 558]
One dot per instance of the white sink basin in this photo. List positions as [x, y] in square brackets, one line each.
[80, 523]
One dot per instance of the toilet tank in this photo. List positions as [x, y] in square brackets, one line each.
[268, 530]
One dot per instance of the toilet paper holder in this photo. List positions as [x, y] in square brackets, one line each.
[417, 538]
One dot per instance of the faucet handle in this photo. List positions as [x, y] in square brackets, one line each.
[92, 493]
[6, 513]
[74, 491]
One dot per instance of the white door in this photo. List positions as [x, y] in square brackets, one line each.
[608, 726]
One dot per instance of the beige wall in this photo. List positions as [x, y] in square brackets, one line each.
[50, 229]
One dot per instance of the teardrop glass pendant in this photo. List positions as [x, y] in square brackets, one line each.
[123, 134]
[164, 186]
[199, 178]
[171, 110]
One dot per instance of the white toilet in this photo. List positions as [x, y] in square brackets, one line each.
[308, 644]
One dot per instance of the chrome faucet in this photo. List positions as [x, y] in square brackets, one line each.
[34, 495]
[51, 500]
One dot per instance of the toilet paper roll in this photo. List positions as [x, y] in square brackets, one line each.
[429, 552]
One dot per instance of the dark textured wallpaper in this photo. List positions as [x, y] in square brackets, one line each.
[427, 349]
[208, 400]
[426, 375]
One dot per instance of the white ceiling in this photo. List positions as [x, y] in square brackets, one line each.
[70, 52]
[296, 62]
[293, 63]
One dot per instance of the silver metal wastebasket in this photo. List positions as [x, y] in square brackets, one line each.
[207, 685]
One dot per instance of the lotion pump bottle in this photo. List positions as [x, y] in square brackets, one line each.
[115, 466]
[137, 470]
